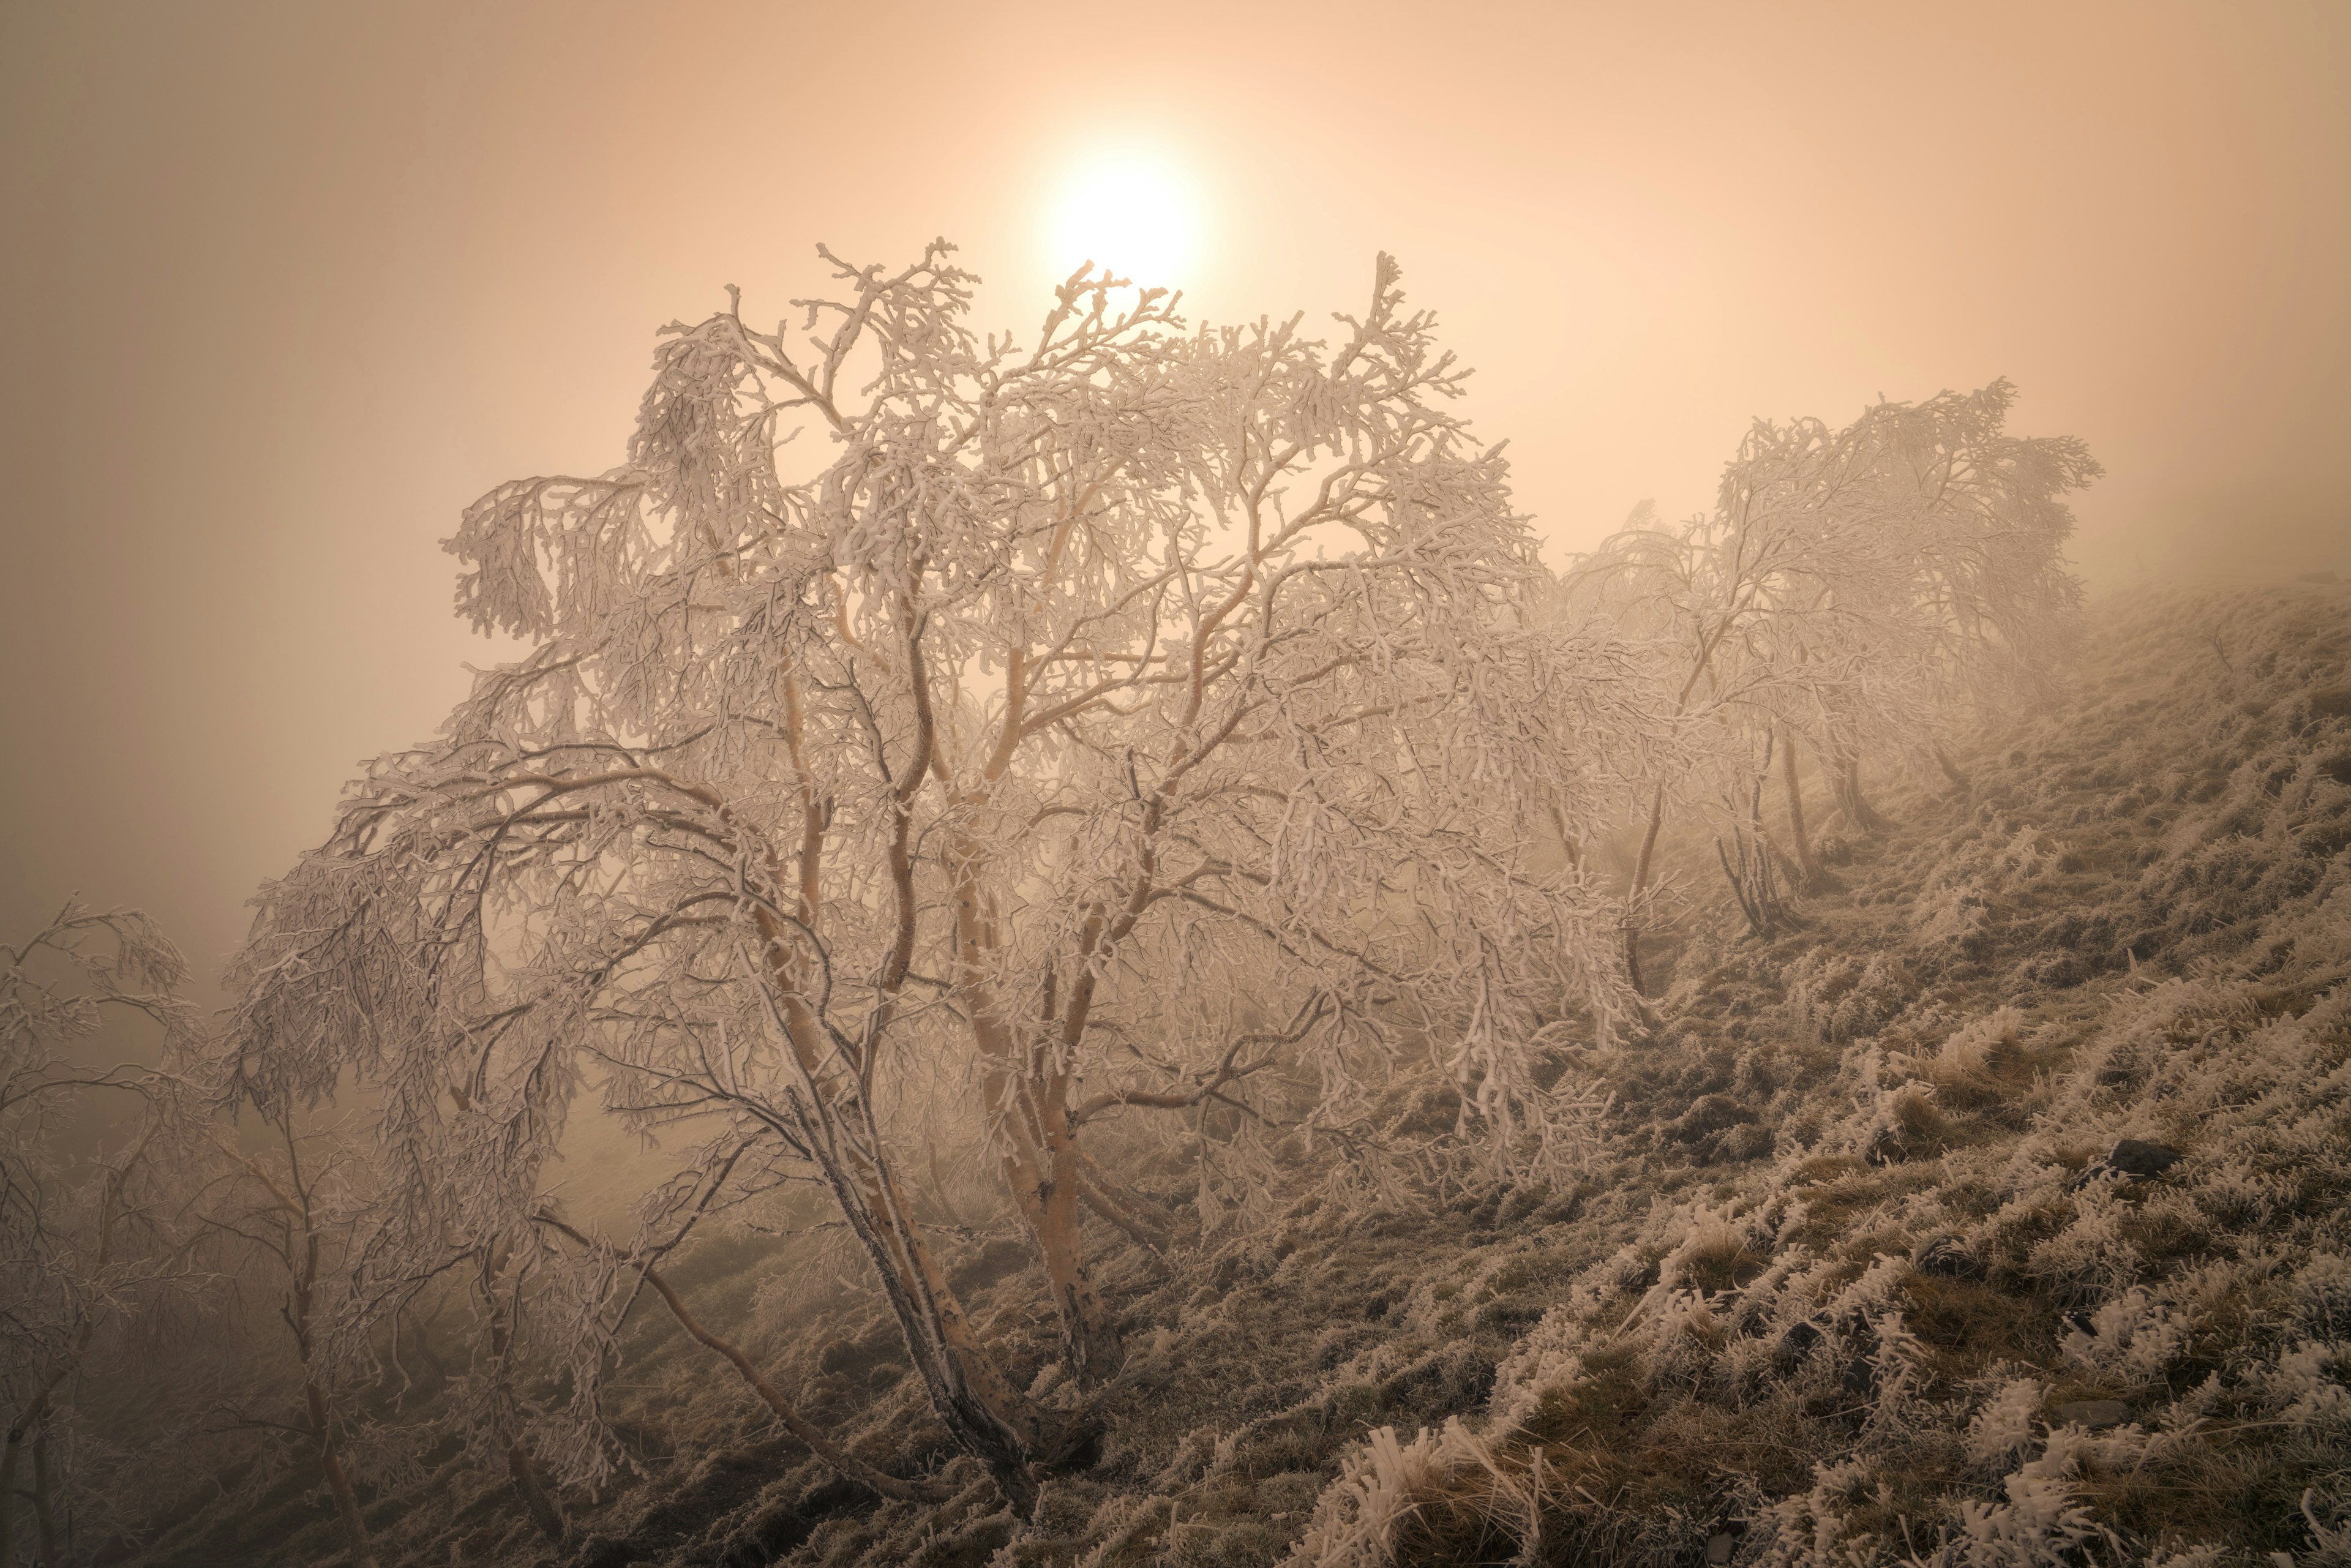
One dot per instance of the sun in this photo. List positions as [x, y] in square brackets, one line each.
[1132, 212]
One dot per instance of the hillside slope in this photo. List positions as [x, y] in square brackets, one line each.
[1994, 1215]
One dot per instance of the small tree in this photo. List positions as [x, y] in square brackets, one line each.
[80, 1250]
[297, 1209]
[1985, 525]
[1092, 703]
[1850, 589]
[1759, 617]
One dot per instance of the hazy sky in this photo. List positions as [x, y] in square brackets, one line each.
[286, 286]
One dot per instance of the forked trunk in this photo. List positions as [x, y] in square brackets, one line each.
[1050, 1192]
[987, 1417]
[973, 1398]
[1807, 862]
[1024, 1094]
[1632, 929]
[1846, 781]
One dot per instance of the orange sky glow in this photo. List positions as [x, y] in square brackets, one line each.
[288, 285]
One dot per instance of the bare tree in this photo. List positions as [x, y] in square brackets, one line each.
[1085, 692]
[638, 1270]
[1985, 525]
[1850, 589]
[79, 1248]
[1758, 619]
[295, 1206]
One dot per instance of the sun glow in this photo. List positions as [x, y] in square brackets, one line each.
[1133, 213]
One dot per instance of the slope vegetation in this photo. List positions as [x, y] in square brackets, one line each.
[1996, 1215]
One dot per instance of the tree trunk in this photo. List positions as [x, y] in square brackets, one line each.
[817, 1443]
[1853, 802]
[28, 1421]
[1640, 884]
[347, 1505]
[535, 1495]
[1041, 1165]
[1090, 1341]
[970, 1393]
[8, 1459]
[1806, 860]
[44, 1519]
[1026, 1098]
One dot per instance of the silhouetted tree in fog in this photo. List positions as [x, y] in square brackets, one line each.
[83, 1245]
[1851, 588]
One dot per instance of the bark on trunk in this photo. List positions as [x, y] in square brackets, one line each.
[1854, 804]
[970, 1393]
[978, 1406]
[1024, 1094]
[1048, 1190]
[1806, 862]
[1640, 884]
[44, 1519]
[339, 1483]
[8, 1459]
[544, 1512]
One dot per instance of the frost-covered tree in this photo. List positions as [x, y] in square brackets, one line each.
[1757, 618]
[1985, 523]
[284, 1220]
[80, 1245]
[1076, 715]
[1850, 589]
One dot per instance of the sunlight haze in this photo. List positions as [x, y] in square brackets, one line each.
[1292, 785]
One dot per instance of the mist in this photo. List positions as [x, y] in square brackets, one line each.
[2025, 331]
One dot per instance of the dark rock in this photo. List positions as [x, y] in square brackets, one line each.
[1947, 1258]
[1860, 1377]
[2142, 1161]
[2093, 1415]
[1719, 1549]
[2133, 1159]
[1710, 1114]
[1795, 1344]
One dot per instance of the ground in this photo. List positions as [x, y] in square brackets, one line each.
[1993, 1215]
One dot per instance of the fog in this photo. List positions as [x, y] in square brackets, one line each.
[289, 287]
